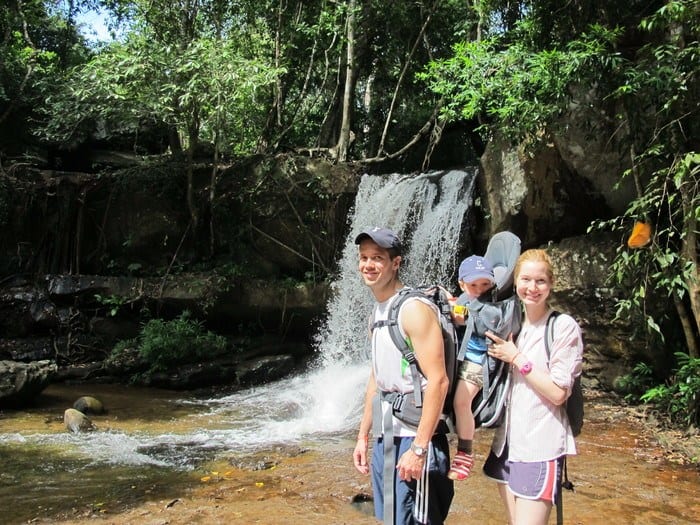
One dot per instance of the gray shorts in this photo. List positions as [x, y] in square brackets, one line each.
[472, 373]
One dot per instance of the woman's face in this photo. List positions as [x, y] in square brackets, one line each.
[533, 283]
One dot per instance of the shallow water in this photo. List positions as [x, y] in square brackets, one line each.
[158, 453]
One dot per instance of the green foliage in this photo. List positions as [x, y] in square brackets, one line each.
[521, 80]
[202, 85]
[515, 91]
[38, 45]
[672, 199]
[518, 85]
[679, 399]
[636, 383]
[112, 302]
[164, 344]
[658, 95]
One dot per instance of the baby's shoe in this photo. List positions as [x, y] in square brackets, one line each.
[461, 466]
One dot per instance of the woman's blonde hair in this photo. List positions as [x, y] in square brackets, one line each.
[535, 255]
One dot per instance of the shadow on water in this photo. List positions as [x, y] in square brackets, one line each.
[39, 482]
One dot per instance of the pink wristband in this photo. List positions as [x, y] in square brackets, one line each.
[526, 368]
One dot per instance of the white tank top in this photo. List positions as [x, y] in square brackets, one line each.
[392, 372]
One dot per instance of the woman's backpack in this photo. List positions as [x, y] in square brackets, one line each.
[574, 405]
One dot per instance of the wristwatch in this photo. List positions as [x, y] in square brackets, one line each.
[526, 368]
[418, 451]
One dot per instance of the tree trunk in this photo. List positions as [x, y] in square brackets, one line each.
[193, 138]
[690, 254]
[350, 79]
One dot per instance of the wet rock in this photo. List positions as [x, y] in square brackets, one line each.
[21, 382]
[192, 376]
[81, 372]
[89, 405]
[364, 503]
[77, 422]
[63, 286]
[125, 363]
[28, 348]
[264, 369]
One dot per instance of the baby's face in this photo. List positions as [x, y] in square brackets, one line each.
[476, 288]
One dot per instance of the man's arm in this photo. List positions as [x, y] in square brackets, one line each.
[362, 446]
[421, 324]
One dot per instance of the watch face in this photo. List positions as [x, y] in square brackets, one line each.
[418, 451]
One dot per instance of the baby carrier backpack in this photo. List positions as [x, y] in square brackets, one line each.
[499, 312]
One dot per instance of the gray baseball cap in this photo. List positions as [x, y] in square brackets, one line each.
[384, 237]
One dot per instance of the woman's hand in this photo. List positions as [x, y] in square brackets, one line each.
[502, 349]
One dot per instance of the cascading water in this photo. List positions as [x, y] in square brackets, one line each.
[427, 211]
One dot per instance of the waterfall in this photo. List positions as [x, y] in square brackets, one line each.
[427, 211]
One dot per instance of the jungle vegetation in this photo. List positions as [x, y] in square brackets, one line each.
[378, 81]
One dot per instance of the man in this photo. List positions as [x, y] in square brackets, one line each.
[409, 470]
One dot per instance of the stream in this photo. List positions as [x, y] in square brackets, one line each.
[168, 449]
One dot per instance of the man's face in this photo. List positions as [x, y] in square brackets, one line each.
[376, 267]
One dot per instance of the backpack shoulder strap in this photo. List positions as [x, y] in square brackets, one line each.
[474, 306]
[392, 323]
[564, 481]
[549, 333]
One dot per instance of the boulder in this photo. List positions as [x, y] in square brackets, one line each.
[536, 194]
[77, 422]
[89, 405]
[21, 382]
[582, 289]
[264, 369]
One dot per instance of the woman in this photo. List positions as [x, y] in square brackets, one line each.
[528, 451]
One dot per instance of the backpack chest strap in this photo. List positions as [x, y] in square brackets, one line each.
[383, 322]
[407, 353]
